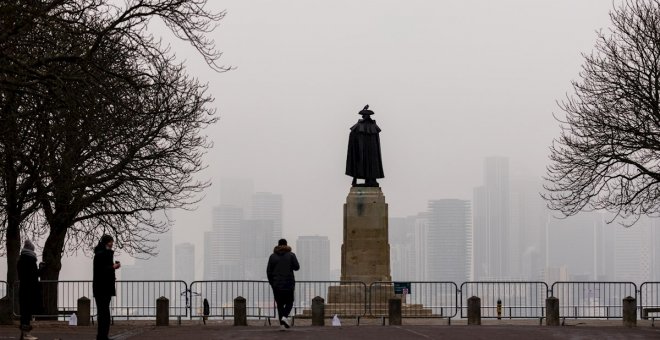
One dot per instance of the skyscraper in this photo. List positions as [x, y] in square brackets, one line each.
[313, 253]
[222, 251]
[184, 262]
[633, 247]
[402, 248]
[449, 240]
[492, 257]
[268, 206]
[529, 217]
[421, 243]
[256, 246]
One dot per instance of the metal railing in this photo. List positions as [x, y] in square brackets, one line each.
[598, 300]
[346, 299]
[499, 299]
[419, 299]
[506, 299]
[134, 299]
[137, 299]
[66, 293]
[221, 294]
[649, 299]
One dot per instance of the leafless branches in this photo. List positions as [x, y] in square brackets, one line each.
[608, 154]
[101, 126]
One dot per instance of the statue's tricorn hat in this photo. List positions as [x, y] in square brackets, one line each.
[366, 111]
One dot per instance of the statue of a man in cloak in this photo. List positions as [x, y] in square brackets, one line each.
[364, 160]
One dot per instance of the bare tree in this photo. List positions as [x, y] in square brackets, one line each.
[608, 154]
[113, 127]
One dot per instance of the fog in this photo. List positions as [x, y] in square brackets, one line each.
[451, 83]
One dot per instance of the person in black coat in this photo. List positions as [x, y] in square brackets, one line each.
[281, 264]
[103, 285]
[29, 292]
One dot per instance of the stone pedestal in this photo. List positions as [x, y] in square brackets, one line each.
[365, 258]
[365, 253]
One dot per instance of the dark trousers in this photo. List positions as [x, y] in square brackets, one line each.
[26, 297]
[26, 316]
[284, 301]
[103, 310]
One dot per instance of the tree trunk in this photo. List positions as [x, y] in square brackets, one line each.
[52, 257]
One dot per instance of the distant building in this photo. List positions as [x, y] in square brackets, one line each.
[449, 240]
[268, 206]
[184, 262]
[256, 246]
[633, 250]
[222, 245]
[313, 253]
[492, 236]
[554, 274]
[421, 242]
[403, 252]
[584, 244]
[529, 221]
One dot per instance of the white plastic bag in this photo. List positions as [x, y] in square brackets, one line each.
[73, 320]
[335, 321]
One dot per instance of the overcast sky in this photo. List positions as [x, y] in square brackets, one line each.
[451, 82]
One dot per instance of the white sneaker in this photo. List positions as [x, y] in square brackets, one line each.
[28, 336]
[282, 328]
[285, 322]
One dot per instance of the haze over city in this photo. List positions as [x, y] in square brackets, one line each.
[451, 83]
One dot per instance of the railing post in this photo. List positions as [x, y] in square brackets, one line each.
[318, 311]
[394, 311]
[552, 311]
[240, 311]
[474, 311]
[162, 311]
[629, 312]
[84, 315]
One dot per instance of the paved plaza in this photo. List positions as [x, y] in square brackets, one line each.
[575, 329]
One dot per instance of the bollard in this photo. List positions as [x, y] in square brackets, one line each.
[552, 311]
[629, 312]
[240, 311]
[474, 311]
[162, 311]
[318, 311]
[394, 311]
[6, 311]
[84, 315]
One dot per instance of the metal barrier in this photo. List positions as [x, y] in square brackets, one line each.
[221, 295]
[419, 299]
[67, 294]
[649, 299]
[137, 299]
[346, 299]
[592, 299]
[506, 299]
[134, 299]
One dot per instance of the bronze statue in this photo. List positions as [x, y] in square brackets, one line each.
[364, 160]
